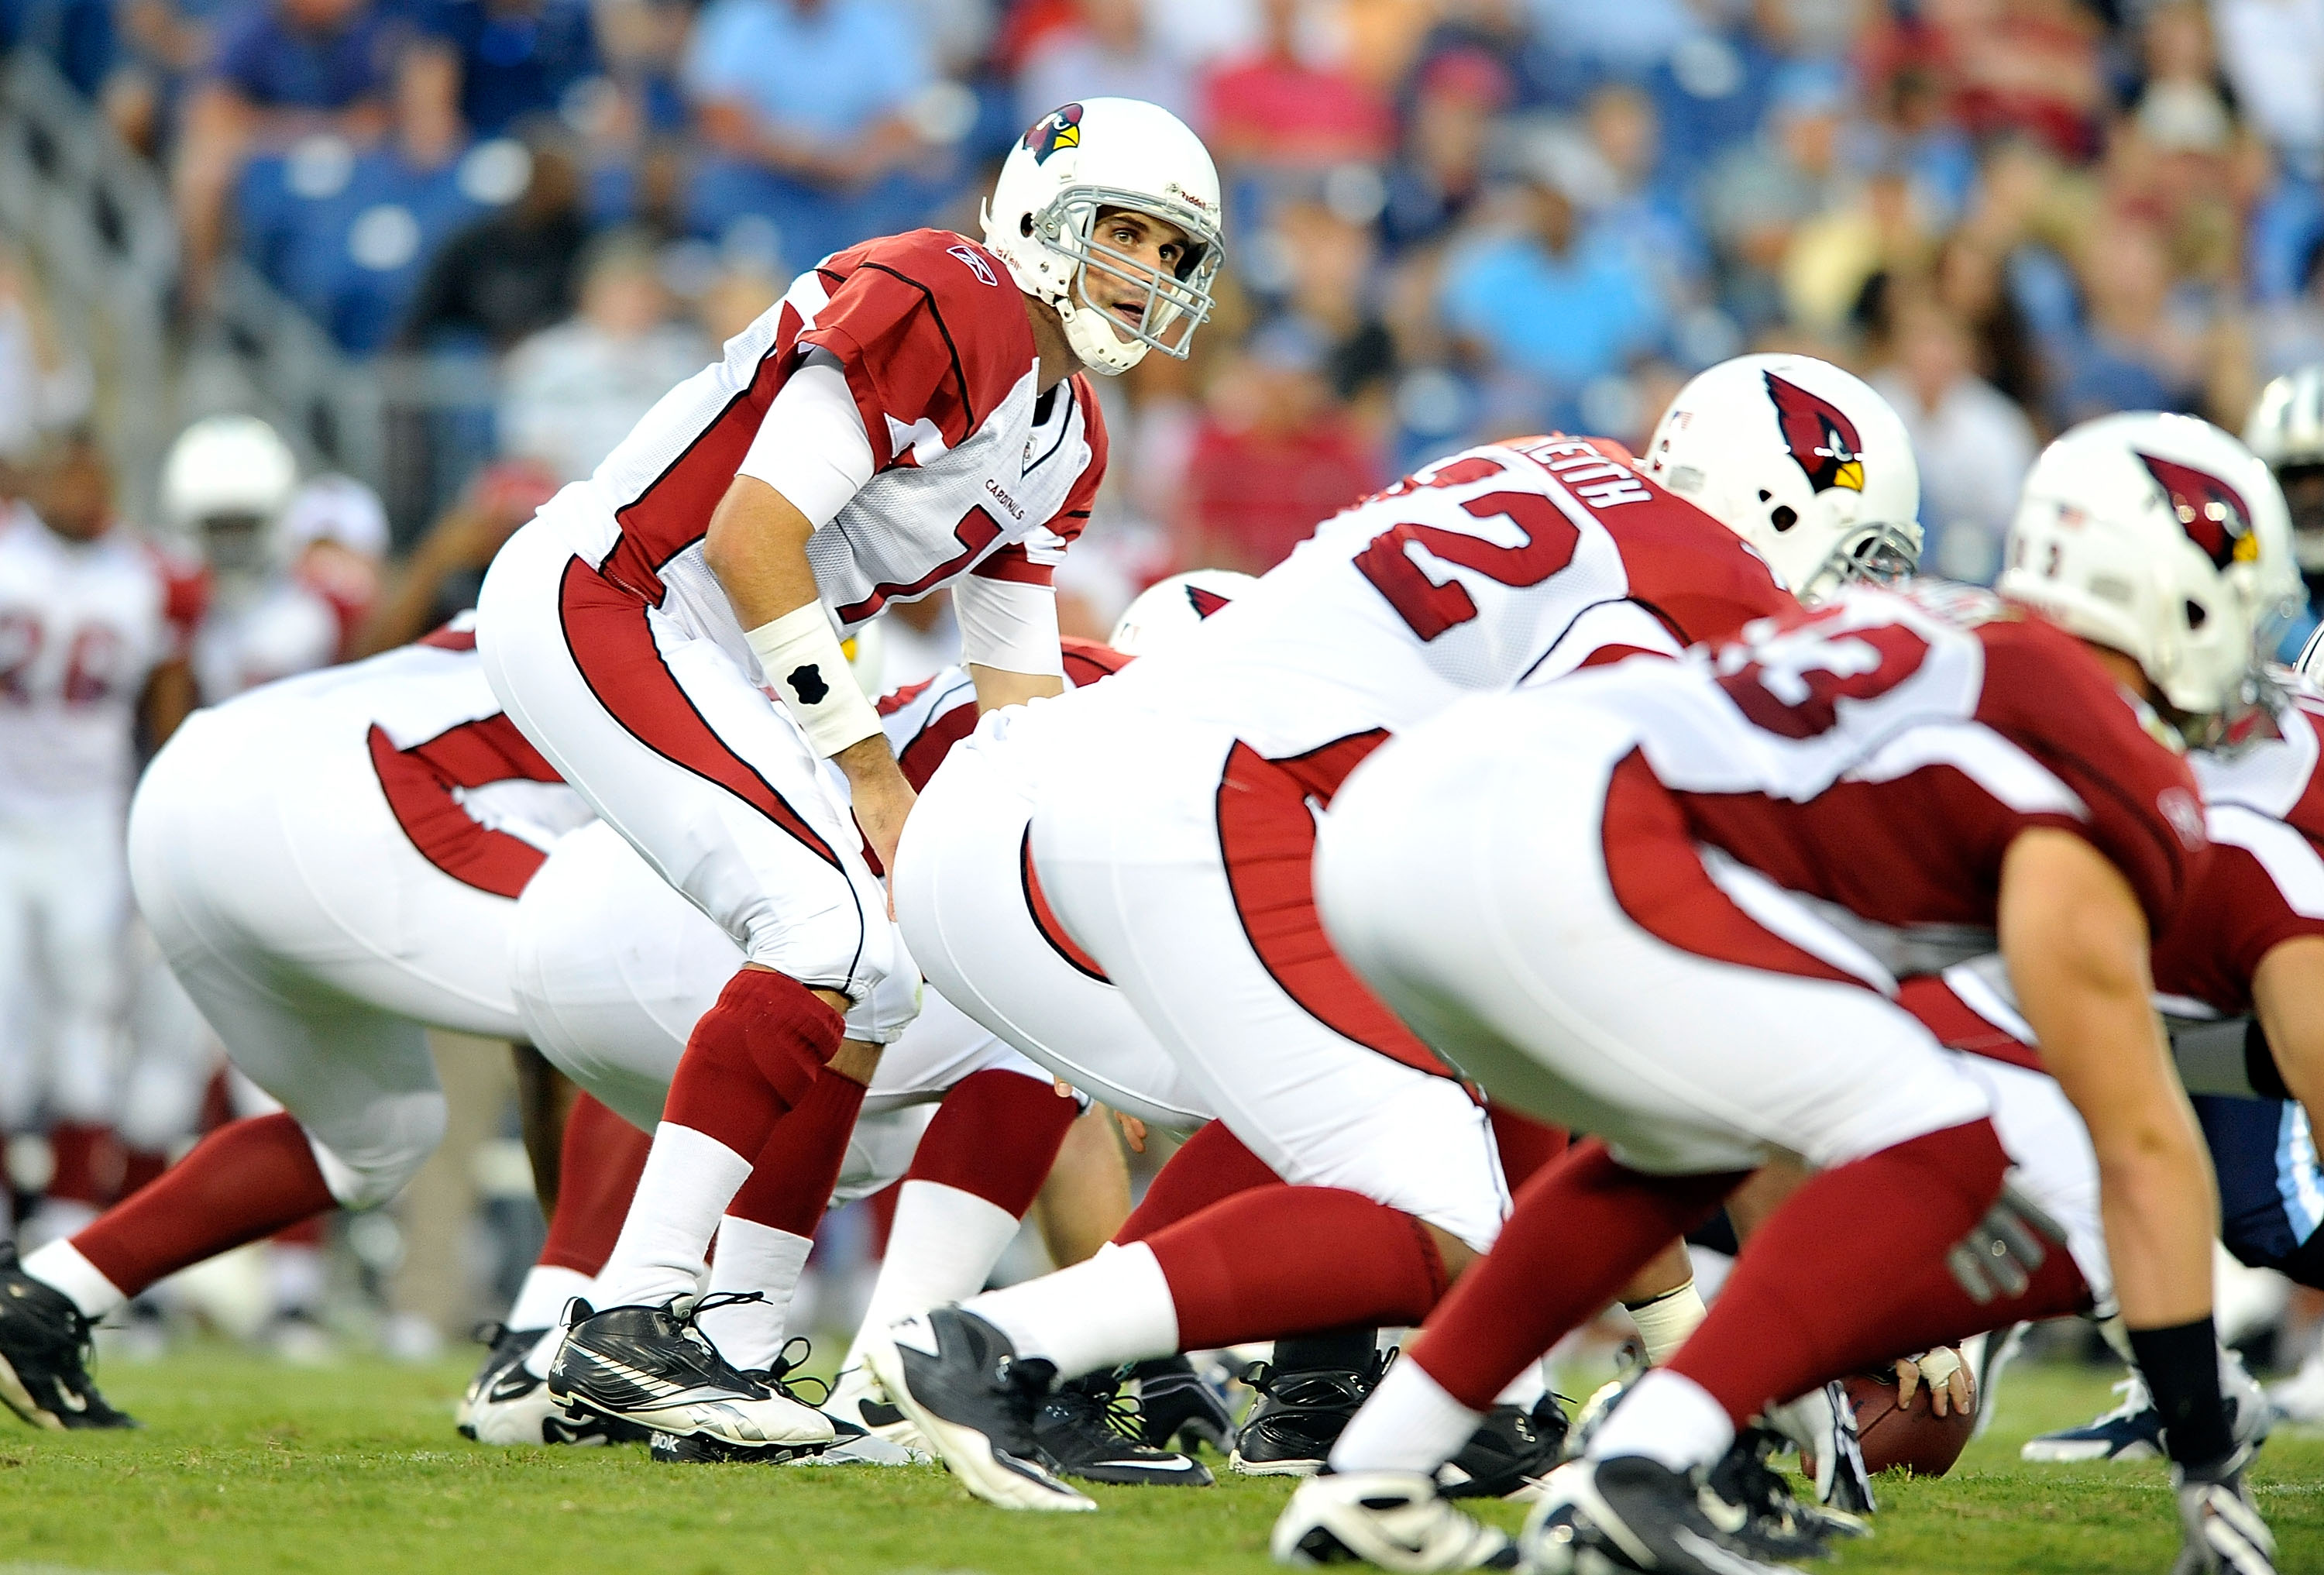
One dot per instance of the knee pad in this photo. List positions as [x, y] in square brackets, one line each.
[366, 1163]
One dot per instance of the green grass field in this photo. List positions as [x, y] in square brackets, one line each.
[246, 1467]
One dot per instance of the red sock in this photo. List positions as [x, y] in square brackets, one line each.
[144, 1165]
[1526, 1144]
[1210, 1166]
[597, 1168]
[1581, 1228]
[791, 1180]
[89, 1165]
[1843, 1270]
[751, 1058]
[1292, 1260]
[244, 1181]
[996, 1135]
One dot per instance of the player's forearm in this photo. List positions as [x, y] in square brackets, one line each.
[756, 547]
[2288, 993]
[998, 686]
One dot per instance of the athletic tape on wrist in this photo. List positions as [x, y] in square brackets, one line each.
[803, 663]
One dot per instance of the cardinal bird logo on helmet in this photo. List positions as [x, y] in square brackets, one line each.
[2211, 512]
[1060, 128]
[1204, 603]
[1821, 439]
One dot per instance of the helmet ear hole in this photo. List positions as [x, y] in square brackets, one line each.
[1025, 224]
[2196, 615]
[1783, 517]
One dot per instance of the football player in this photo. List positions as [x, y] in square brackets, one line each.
[1672, 904]
[613, 967]
[911, 415]
[94, 624]
[1172, 817]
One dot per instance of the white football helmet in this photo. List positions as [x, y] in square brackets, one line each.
[1802, 460]
[1166, 610]
[2164, 538]
[224, 485]
[2286, 430]
[1041, 219]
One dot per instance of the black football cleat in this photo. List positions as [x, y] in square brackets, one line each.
[44, 1348]
[652, 1366]
[1513, 1447]
[1781, 1524]
[975, 1402]
[1299, 1416]
[1632, 1512]
[1182, 1408]
[1086, 1428]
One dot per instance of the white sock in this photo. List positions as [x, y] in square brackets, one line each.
[1667, 1417]
[689, 1181]
[1409, 1424]
[294, 1277]
[1113, 1309]
[753, 1257]
[1664, 1321]
[941, 1248]
[1524, 1389]
[60, 1265]
[540, 1300]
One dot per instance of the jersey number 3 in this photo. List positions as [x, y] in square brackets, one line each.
[1430, 609]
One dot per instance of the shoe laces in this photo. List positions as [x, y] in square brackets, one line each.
[685, 1315]
[777, 1376]
[1102, 1405]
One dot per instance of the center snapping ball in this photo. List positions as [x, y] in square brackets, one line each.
[1911, 1436]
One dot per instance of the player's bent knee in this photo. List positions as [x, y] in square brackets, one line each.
[367, 1166]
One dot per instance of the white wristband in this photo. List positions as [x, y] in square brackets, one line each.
[803, 663]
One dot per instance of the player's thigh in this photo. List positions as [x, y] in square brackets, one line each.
[1475, 887]
[964, 900]
[661, 731]
[300, 860]
[612, 967]
[1319, 1108]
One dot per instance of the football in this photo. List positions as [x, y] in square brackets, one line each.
[1913, 1437]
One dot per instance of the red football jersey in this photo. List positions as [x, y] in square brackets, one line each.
[2264, 884]
[1880, 754]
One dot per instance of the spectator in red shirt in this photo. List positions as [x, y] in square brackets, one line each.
[1278, 108]
[1275, 453]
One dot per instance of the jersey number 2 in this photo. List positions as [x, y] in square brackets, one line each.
[1430, 609]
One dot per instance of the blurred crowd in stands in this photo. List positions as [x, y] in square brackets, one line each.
[1447, 218]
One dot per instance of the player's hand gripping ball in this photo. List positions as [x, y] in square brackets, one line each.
[1896, 1421]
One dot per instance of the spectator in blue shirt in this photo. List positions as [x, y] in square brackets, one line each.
[284, 68]
[1553, 306]
[803, 103]
[517, 57]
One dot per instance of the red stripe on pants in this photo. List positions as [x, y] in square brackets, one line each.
[1266, 834]
[1657, 876]
[606, 632]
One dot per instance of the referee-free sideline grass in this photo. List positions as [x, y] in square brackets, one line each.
[246, 1466]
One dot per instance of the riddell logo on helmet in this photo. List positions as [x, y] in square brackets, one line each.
[2211, 512]
[1060, 128]
[1823, 440]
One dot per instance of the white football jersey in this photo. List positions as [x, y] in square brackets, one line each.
[974, 472]
[82, 627]
[280, 630]
[1513, 561]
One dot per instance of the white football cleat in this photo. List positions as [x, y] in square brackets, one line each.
[1395, 1520]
